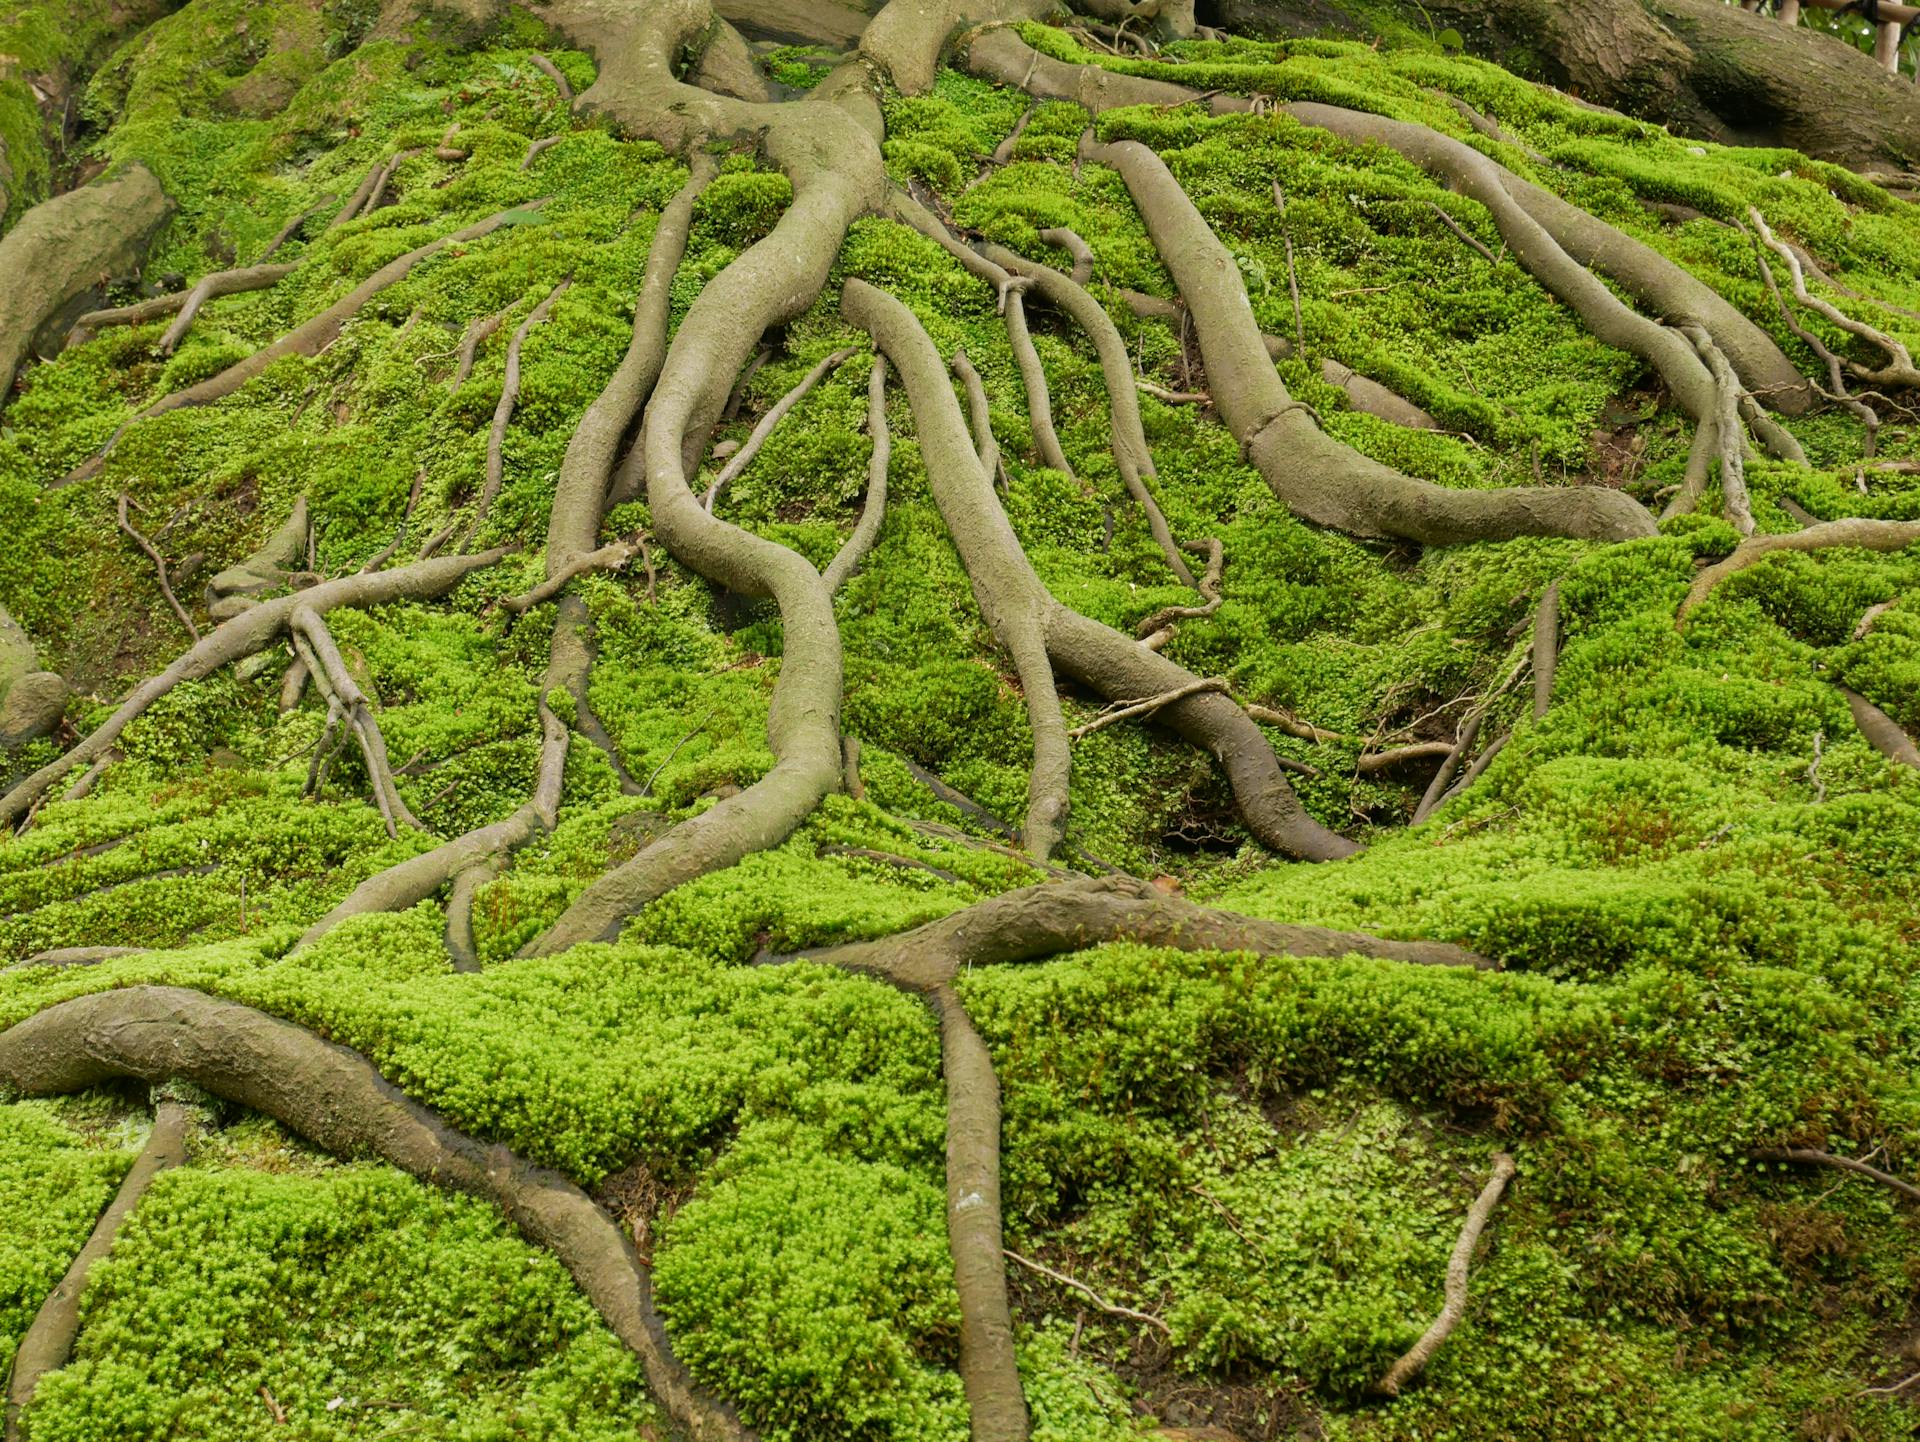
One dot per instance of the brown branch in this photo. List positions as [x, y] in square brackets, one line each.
[1899, 369]
[545, 142]
[328, 666]
[159, 566]
[1455, 1307]
[186, 302]
[610, 557]
[1293, 277]
[1082, 253]
[1132, 710]
[1546, 648]
[1437, 788]
[286, 231]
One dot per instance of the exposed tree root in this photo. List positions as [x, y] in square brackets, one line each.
[1720, 438]
[1808, 1156]
[1037, 922]
[1883, 733]
[307, 339]
[610, 557]
[1899, 372]
[776, 413]
[1135, 710]
[1110, 1308]
[159, 567]
[459, 938]
[867, 529]
[1437, 788]
[1033, 379]
[1836, 376]
[48, 1341]
[547, 68]
[989, 1370]
[1016, 604]
[1455, 1307]
[291, 228]
[68, 245]
[232, 590]
[76, 956]
[477, 332]
[1082, 253]
[503, 411]
[356, 202]
[1546, 648]
[1474, 772]
[1156, 630]
[336, 1099]
[186, 303]
[254, 628]
[979, 413]
[316, 648]
[1316, 476]
[383, 180]
[1869, 535]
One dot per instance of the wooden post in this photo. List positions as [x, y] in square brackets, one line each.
[1886, 45]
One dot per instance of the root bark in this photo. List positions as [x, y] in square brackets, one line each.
[338, 1100]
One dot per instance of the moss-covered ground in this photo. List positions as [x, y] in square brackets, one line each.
[1701, 883]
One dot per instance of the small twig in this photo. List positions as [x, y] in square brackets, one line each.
[1173, 398]
[1813, 771]
[888, 858]
[1466, 236]
[648, 787]
[287, 230]
[543, 143]
[547, 68]
[1455, 1307]
[610, 557]
[279, 1412]
[1808, 1156]
[160, 567]
[1092, 1296]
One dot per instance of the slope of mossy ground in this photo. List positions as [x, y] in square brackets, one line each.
[1708, 943]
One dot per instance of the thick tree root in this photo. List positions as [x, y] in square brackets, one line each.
[1316, 476]
[186, 303]
[1868, 535]
[837, 175]
[1015, 602]
[68, 245]
[1883, 733]
[1038, 922]
[307, 339]
[253, 629]
[336, 1099]
[477, 332]
[503, 411]
[48, 1340]
[1455, 1307]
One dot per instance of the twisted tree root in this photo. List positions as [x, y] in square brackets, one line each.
[253, 629]
[1868, 535]
[1016, 604]
[48, 1340]
[1156, 630]
[307, 339]
[503, 410]
[338, 1100]
[1455, 1307]
[1899, 370]
[1316, 476]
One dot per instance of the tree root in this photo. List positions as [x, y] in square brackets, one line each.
[48, 1340]
[478, 329]
[547, 68]
[1455, 1307]
[1808, 1156]
[307, 339]
[1836, 376]
[1156, 630]
[1134, 710]
[867, 529]
[757, 438]
[159, 566]
[503, 410]
[291, 228]
[1899, 370]
[979, 414]
[1869, 535]
[1437, 788]
[1883, 733]
[610, 557]
[1033, 379]
[315, 645]
[336, 1099]
[253, 629]
[1316, 476]
[1038, 922]
[1546, 648]
[186, 303]
[356, 202]
[67, 245]
[459, 936]
[1082, 253]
